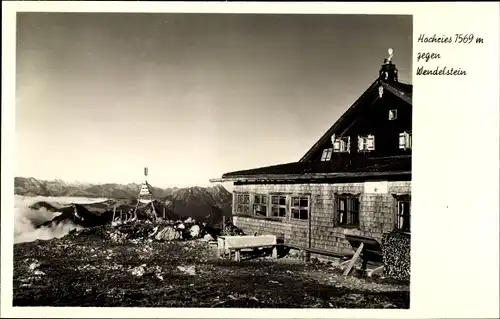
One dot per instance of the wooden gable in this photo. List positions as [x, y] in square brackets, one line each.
[371, 140]
[382, 112]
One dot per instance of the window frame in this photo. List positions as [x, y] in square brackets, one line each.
[344, 144]
[365, 138]
[327, 154]
[266, 204]
[408, 141]
[346, 198]
[299, 208]
[399, 214]
[237, 203]
[286, 206]
[395, 112]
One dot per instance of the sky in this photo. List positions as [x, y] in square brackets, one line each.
[192, 96]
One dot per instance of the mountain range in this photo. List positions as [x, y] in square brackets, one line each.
[196, 202]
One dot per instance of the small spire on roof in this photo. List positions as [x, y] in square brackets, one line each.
[388, 71]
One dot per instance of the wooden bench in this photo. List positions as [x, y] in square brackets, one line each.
[237, 250]
[319, 251]
[367, 248]
[227, 244]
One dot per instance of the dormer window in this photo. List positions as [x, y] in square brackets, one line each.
[366, 143]
[393, 114]
[405, 140]
[327, 155]
[341, 144]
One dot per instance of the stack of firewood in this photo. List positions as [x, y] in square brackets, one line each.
[396, 255]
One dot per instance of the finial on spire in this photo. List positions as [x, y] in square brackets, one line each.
[391, 51]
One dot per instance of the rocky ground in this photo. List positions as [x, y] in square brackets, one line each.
[128, 267]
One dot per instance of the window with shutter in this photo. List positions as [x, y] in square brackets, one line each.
[366, 143]
[370, 142]
[336, 146]
[405, 140]
[361, 143]
[402, 141]
[333, 139]
[341, 144]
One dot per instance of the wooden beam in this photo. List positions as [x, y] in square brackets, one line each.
[319, 251]
[311, 176]
[375, 271]
[216, 180]
[353, 260]
[275, 252]
[220, 247]
[345, 262]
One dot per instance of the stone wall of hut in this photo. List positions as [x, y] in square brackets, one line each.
[377, 214]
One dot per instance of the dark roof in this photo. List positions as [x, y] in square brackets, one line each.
[336, 168]
[401, 90]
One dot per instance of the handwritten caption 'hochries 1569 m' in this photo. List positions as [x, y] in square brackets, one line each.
[427, 56]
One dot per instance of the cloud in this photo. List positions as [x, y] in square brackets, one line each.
[26, 219]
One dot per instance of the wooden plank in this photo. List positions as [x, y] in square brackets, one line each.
[362, 239]
[275, 252]
[319, 251]
[254, 246]
[377, 270]
[313, 176]
[345, 262]
[220, 247]
[353, 260]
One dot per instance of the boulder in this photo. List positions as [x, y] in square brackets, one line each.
[188, 270]
[194, 231]
[207, 237]
[167, 234]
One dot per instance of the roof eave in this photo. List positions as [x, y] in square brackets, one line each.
[309, 176]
